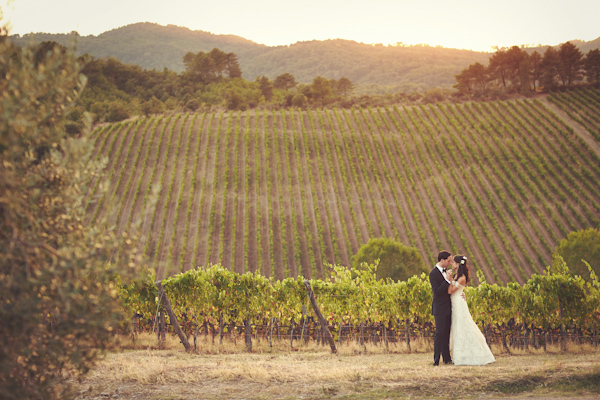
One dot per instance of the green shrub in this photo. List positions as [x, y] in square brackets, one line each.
[396, 261]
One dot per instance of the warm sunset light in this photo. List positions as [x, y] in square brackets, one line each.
[466, 24]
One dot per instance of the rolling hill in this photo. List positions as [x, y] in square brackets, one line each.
[152, 46]
[285, 192]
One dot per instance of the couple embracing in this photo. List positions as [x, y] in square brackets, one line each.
[455, 329]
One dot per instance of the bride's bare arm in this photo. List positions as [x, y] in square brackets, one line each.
[453, 287]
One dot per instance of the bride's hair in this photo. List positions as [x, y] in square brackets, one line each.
[463, 267]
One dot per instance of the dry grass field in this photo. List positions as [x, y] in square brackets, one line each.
[312, 372]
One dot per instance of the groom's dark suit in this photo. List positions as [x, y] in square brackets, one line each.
[442, 312]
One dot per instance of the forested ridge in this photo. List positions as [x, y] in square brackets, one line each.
[152, 46]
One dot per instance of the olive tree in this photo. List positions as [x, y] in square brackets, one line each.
[59, 275]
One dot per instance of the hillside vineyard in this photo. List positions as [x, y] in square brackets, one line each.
[288, 192]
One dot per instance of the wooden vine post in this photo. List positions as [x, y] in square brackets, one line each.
[162, 297]
[322, 321]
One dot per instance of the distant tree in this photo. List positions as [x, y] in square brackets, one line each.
[578, 246]
[570, 63]
[285, 81]
[535, 60]
[117, 111]
[549, 68]
[299, 100]
[233, 66]
[266, 87]
[153, 106]
[396, 261]
[211, 67]
[235, 100]
[321, 90]
[475, 76]
[525, 75]
[592, 66]
[515, 58]
[499, 67]
[192, 104]
[464, 83]
[219, 59]
[344, 86]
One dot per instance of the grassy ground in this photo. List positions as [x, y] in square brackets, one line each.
[312, 372]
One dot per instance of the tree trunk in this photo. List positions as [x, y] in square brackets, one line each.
[161, 330]
[407, 332]
[322, 321]
[303, 323]
[172, 317]
[220, 328]
[134, 326]
[385, 338]
[248, 335]
[503, 336]
[271, 336]
[291, 332]
[248, 330]
[563, 333]
[196, 333]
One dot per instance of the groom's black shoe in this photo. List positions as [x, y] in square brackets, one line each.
[449, 362]
[436, 364]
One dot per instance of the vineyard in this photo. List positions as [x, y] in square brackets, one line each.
[287, 193]
[549, 308]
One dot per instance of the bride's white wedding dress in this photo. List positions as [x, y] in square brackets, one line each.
[467, 343]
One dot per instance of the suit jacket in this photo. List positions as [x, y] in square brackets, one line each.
[441, 299]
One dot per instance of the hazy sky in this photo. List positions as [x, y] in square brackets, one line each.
[468, 24]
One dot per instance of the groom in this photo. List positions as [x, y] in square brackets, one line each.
[441, 308]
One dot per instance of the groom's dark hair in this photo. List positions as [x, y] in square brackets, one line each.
[442, 255]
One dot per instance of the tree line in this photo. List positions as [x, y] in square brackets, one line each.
[116, 91]
[514, 70]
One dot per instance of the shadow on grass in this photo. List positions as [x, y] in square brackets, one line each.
[579, 384]
[574, 383]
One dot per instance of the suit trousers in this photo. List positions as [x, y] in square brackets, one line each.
[441, 340]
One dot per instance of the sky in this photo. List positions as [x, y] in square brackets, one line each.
[464, 24]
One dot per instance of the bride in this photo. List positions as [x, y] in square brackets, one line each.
[467, 343]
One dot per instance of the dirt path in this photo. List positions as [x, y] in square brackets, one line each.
[578, 129]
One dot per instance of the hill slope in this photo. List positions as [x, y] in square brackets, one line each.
[155, 46]
[285, 192]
